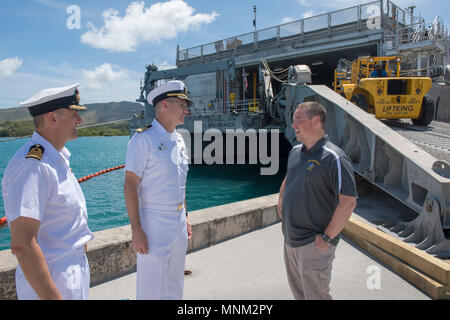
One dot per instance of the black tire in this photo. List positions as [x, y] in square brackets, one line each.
[427, 112]
[360, 101]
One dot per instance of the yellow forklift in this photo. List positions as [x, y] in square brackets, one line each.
[374, 84]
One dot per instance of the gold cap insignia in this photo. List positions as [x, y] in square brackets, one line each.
[77, 96]
[76, 102]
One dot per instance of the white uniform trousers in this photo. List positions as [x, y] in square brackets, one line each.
[70, 274]
[160, 273]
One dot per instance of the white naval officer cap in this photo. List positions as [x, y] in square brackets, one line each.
[174, 88]
[52, 99]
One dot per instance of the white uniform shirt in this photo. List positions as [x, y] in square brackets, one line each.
[160, 159]
[47, 191]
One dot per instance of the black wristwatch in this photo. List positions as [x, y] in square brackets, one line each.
[325, 238]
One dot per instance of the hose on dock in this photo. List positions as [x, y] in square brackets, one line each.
[3, 220]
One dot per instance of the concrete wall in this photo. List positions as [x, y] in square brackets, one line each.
[110, 253]
[440, 93]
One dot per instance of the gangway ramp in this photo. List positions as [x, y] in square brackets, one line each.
[434, 139]
[388, 160]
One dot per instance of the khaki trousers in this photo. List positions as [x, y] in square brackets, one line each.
[309, 271]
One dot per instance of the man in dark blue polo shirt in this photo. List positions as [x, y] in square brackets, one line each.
[317, 198]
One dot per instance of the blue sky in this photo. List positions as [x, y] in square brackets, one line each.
[41, 45]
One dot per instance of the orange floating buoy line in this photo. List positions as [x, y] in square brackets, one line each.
[99, 173]
[2, 222]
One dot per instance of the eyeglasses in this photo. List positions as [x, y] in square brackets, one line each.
[181, 103]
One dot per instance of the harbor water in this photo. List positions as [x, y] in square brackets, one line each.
[207, 185]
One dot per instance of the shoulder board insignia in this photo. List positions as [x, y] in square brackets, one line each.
[142, 129]
[36, 152]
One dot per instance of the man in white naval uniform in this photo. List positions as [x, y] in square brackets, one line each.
[155, 188]
[44, 204]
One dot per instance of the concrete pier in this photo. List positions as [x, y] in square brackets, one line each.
[235, 253]
[110, 253]
[251, 267]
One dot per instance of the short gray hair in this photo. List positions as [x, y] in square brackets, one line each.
[39, 121]
[315, 109]
[159, 104]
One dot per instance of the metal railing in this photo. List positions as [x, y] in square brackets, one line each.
[400, 24]
[238, 106]
[419, 32]
[248, 105]
[360, 18]
[397, 17]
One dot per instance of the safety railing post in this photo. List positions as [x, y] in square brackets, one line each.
[303, 29]
[201, 53]
[329, 24]
[278, 36]
[359, 17]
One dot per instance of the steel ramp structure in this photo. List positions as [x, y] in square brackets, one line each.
[386, 159]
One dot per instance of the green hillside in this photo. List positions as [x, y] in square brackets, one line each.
[14, 114]
[105, 112]
[17, 122]
[97, 112]
[26, 128]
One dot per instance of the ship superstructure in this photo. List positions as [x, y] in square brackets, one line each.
[226, 79]
[251, 83]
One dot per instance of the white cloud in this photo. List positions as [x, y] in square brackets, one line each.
[104, 83]
[123, 90]
[9, 66]
[303, 2]
[166, 66]
[11, 93]
[162, 20]
[102, 76]
[107, 83]
[287, 20]
[308, 14]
